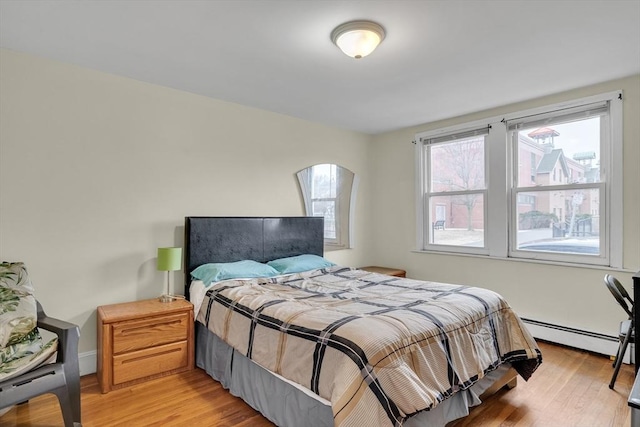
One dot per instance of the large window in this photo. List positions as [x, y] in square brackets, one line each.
[456, 189]
[559, 212]
[539, 184]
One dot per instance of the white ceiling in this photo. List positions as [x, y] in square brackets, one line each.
[440, 58]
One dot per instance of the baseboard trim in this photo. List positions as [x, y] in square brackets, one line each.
[577, 338]
[88, 362]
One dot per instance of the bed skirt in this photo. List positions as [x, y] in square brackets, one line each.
[287, 405]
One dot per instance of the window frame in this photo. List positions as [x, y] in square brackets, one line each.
[449, 137]
[501, 186]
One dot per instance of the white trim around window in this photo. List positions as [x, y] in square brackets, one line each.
[501, 213]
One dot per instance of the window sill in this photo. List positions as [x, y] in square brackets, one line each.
[528, 261]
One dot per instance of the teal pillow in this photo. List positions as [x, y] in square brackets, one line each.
[215, 272]
[296, 264]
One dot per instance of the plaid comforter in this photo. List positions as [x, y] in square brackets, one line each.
[379, 348]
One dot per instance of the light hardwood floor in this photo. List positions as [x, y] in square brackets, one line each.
[570, 389]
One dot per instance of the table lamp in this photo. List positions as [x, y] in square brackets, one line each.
[169, 259]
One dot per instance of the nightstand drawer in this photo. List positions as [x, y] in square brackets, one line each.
[138, 334]
[151, 361]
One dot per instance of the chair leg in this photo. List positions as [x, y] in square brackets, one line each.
[74, 396]
[65, 405]
[72, 375]
[619, 357]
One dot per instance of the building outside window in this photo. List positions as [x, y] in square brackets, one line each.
[456, 184]
[562, 221]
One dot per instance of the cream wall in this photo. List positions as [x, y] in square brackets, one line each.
[97, 171]
[568, 296]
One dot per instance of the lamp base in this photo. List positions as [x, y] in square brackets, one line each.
[165, 298]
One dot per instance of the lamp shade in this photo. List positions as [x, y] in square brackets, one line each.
[169, 259]
[358, 39]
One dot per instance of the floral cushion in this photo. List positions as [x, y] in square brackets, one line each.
[21, 345]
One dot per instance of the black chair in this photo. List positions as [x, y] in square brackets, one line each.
[627, 327]
[61, 378]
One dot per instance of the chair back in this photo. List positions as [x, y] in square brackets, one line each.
[620, 294]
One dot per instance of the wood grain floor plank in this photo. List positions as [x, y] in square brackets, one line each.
[570, 389]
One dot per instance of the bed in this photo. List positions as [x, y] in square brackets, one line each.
[339, 346]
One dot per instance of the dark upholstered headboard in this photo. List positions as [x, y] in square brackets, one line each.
[229, 239]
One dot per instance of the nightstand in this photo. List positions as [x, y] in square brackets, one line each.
[142, 340]
[385, 270]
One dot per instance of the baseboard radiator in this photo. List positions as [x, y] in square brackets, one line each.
[577, 338]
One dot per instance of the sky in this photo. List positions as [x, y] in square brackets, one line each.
[577, 137]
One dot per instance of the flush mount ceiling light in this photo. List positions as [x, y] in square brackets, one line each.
[358, 39]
